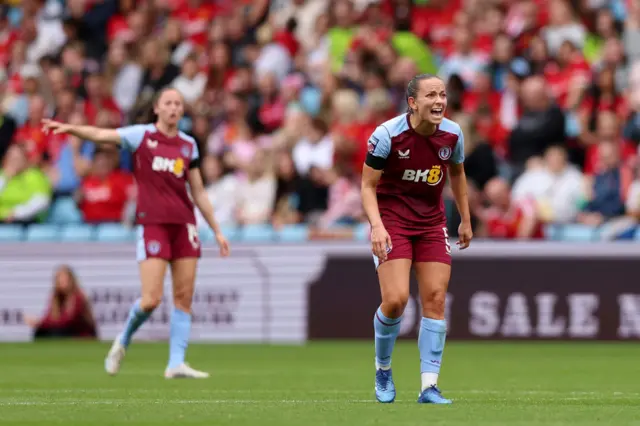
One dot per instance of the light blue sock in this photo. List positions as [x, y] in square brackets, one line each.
[136, 318]
[386, 331]
[179, 337]
[431, 344]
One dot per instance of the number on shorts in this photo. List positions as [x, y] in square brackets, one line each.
[434, 176]
[447, 245]
[193, 235]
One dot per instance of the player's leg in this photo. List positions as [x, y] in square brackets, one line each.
[393, 275]
[433, 270]
[153, 250]
[186, 249]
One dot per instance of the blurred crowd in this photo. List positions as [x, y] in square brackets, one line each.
[282, 96]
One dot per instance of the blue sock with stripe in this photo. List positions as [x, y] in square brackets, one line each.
[179, 337]
[386, 331]
[136, 318]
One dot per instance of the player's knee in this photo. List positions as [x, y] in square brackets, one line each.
[149, 302]
[433, 303]
[182, 298]
[393, 305]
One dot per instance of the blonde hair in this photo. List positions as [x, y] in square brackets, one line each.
[345, 104]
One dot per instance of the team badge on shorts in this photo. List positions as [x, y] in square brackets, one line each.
[444, 153]
[185, 151]
[153, 247]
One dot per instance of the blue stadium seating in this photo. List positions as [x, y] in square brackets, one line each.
[11, 233]
[361, 232]
[77, 233]
[114, 233]
[43, 233]
[206, 234]
[257, 234]
[579, 233]
[293, 233]
[553, 232]
[64, 211]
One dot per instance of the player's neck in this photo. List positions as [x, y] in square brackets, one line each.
[170, 131]
[422, 127]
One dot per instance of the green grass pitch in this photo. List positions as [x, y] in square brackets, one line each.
[63, 383]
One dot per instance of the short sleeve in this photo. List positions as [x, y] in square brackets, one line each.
[458, 151]
[379, 144]
[132, 136]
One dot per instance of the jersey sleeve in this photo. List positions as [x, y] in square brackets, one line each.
[378, 147]
[458, 152]
[132, 136]
[195, 157]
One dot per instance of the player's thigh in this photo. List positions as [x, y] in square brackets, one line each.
[394, 275]
[433, 282]
[183, 274]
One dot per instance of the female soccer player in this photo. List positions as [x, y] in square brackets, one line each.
[165, 160]
[405, 208]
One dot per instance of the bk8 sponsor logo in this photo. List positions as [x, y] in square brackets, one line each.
[161, 164]
[431, 176]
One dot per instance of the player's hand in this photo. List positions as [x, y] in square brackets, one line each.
[223, 244]
[465, 234]
[30, 320]
[380, 242]
[55, 127]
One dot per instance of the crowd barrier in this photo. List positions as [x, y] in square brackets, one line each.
[294, 293]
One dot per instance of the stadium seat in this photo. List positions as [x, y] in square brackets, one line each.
[553, 232]
[206, 234]
[578, 233]
[64, 211]
[257, 234]
[361, 232]
[11, 233]
[43, 233]
[114, 233]
[77, 233]
[293, 233]
[637, 234]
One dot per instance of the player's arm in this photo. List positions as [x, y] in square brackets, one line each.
[89, 133]
[458, 180]
[199, 193]
[379, 145]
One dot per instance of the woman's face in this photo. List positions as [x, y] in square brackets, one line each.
[63, 281]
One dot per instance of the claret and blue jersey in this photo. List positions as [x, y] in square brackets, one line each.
[414, 169]
[161, 166]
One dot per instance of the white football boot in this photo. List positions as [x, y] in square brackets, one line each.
[184, 371]
[114, 357]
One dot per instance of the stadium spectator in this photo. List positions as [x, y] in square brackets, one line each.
[315, 149]
[191, 82]
[287, 197]
[256, 192]
[541, 125]
[221, 190]
[556, 186]
[105, 192]
[507, 218]
[606, 192]
[25, 191]
[68, 314]
[344, 204]
[563, 26]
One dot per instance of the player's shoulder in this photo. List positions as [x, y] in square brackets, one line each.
[450, 126]
[395, 126]
[186, 137]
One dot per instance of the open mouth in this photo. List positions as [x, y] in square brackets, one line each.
[437, 112]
